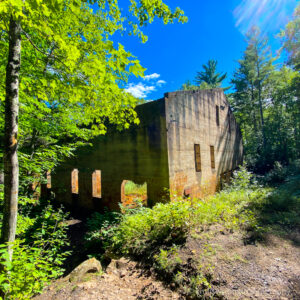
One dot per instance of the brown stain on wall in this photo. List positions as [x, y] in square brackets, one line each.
[201, 118]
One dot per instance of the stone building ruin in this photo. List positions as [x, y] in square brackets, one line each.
[188, 142]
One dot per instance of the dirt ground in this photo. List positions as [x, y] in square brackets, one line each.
[269, 269]
[128, 282]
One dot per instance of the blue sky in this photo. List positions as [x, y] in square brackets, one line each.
[215, 30]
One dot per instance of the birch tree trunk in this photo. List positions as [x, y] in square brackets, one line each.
[11, 165]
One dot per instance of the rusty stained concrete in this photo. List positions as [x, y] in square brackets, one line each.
[192, 119]
[159, 151]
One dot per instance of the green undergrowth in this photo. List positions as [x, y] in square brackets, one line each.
[135, 189]
[155, 236]
[281, 209]
[39, 249]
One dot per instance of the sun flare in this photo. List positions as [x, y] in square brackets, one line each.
[269, 15]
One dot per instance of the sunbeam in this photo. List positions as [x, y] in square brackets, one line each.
[269, 15]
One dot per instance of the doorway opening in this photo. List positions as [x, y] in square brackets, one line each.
[133, 194]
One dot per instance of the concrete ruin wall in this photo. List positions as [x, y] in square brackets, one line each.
[138, 154]
[160, 151]
[191, 119]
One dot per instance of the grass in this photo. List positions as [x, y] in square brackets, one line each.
[135, 189]
[282, 206]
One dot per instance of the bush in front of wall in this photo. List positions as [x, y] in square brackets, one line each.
[39, 250]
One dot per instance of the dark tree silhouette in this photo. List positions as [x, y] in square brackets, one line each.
[209, 75]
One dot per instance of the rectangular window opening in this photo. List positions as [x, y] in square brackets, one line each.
[74, 181]
[96, 184]
[212, 157]
[218, 115]
[48, 174]
[197, 157]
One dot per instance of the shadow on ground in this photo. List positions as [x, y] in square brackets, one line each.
[279, 213]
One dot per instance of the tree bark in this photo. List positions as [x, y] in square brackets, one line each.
[260, 103]
[10, 158]
[253, 110]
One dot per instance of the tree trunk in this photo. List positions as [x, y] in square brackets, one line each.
[253, 110]
[10, 158]
[261, 113]
[260, 104]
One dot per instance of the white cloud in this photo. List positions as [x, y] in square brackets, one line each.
[151, 76]
[149, 84]
[139, 90]
[160, 83]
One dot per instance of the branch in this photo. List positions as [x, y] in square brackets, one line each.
[34, 45]
[49, 55]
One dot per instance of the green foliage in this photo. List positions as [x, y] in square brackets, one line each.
[277, 174]
[210, 75]
[71, 78]
[141, 231]
[197, 285]
[167, 260]
[72, 73]
[266, 100]
[29, 271]
[252, 86]
[206, 79]
[101, 229]
[282, 207]
[135, 189]
[188, 86]
[291, 41]
[280, 173]
[39, 250]
[156, 235]
[241, 179]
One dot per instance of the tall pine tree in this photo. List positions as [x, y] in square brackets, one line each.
[250, 99]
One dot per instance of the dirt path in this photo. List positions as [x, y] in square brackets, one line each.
[126, 282]
[265, 270]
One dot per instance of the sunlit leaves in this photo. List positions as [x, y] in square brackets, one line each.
[72, 71]
[291, 38]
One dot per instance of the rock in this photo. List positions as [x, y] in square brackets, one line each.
[117, 266]
[90, 266]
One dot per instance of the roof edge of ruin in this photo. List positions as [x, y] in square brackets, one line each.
[168, 94]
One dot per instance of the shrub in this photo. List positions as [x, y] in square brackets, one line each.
[282, 206]
[141, 232]
[277, 174]
[101, 229]
[29, 271]
[155, 235]
[167, 261]
[39, 250]
[242, 179]
[281, 173]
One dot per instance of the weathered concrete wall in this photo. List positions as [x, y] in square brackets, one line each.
[160, 151]
[191, 119]
[138, 154]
